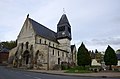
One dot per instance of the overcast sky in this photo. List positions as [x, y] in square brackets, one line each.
[94, 22]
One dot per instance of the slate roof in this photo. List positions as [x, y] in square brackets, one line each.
[63, 20]
[118, 56]
[43, 31]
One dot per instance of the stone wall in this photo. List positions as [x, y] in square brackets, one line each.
[64, 44]
[26, 34]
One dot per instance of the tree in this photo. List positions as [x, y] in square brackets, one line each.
[8, 44]
[83, 56]
[96, 51]
[92, 54]
[118, 51]
[98, 56]
[110, 57]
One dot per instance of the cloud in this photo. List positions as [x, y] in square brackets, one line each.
[95, 22]
[108, 41]
[100, 44]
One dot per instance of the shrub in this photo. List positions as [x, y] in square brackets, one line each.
[57, 67]
[64, 65]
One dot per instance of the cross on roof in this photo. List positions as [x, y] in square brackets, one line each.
[64, 11]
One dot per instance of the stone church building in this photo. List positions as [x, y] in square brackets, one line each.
[40, 47]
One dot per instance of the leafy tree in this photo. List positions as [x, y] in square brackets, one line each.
[110, 57]
[8, 44]
[83, 56]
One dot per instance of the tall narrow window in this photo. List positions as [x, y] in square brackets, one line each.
[61, 28]
[58, 60]
[27, 45]
[69, 30]
[62, 54]
[22, 45]
[53, 45]
[31, 48]
[58, 53]
[53, 51]
[45, 41]
[40, 41]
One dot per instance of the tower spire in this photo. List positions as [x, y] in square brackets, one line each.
[64, 11]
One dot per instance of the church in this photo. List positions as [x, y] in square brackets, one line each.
[42, 48]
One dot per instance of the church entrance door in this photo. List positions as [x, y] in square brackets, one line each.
[26, 56]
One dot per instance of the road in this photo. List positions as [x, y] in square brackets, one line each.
[6, 73]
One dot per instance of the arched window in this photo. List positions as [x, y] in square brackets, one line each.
[37, 52]
[53, 51]
[49, 43]
[69, 30]
[61, 28]
[58, 53]
[45, 41]
[31, 47]
[62, 54]
[53, 45]
[27, 45]
[22, 46]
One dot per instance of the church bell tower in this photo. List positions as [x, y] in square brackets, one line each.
[63, 28]
[64, 33]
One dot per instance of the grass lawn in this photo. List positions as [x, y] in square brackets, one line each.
[78, 69]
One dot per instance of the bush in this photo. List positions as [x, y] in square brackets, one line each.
[71, 65]
[95, 68]
[57, 67]
[64, 65]
[81, 68]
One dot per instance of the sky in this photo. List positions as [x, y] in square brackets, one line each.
[96, 23]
